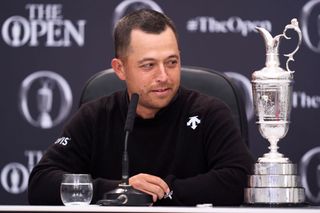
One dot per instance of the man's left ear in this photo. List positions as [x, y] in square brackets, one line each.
[118, 68]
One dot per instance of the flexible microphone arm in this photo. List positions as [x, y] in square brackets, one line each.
[128, 129]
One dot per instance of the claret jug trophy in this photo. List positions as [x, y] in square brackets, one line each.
[274, 181]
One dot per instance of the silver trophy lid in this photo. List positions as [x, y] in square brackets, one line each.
[272, 70]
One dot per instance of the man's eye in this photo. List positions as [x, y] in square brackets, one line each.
[147, 66]
[172, 63]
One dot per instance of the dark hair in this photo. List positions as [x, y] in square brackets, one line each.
[147, 20]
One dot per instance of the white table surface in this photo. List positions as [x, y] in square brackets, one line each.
[95, 208]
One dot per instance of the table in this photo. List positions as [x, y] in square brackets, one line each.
[95, 208]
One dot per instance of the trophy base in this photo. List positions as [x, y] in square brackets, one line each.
[274, 185]
[275, 205]
[275, 196]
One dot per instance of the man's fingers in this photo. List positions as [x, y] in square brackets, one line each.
[157, 181]
[150, 184]
[145, 183]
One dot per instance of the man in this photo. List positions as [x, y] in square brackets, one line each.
[206, 163]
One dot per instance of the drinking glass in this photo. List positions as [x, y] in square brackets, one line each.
[76, 189]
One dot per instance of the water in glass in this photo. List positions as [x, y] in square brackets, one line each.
[76, 189]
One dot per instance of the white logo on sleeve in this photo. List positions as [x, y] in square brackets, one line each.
[193, 121]
[63, 141]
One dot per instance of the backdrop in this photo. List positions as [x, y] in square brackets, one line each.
[50, 48]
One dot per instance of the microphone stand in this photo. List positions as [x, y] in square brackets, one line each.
[125, 194]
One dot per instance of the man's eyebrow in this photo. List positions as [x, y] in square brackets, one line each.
[153, 59]
[173, 56]
[145, 59]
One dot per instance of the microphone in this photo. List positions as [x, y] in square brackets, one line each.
[131, 112]
[125, 194]
[131, 115]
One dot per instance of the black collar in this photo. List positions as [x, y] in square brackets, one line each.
[160, 113]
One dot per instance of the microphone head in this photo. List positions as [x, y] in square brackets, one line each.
[131, 112]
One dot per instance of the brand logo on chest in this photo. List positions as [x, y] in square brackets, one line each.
[193, 122]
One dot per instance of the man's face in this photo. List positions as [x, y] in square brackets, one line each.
[152, 69]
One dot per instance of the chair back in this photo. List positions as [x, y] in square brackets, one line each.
[204, 80]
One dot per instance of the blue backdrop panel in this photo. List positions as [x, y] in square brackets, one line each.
[49, 49]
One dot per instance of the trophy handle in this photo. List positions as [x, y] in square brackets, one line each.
[295, 26]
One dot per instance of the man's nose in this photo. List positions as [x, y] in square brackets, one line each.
[162, 75]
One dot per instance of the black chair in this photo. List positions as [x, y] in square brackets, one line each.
[204, 80]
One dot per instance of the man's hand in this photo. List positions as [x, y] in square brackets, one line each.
[150, 184]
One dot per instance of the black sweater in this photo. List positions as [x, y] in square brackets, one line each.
[205, 164]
